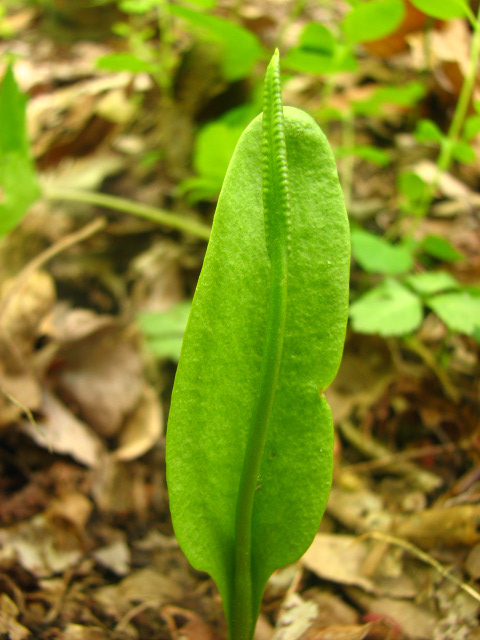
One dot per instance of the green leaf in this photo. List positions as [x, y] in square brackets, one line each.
[427, 132]
[376, 255]
[319, 52]
[442, 9]
[472, 127]
[125, 62]
[240, 49]
[440, 248]
[405, 96]
[460, 311]
[305, 61]
[387, 310]
[214, 146]
[317, 38]
[369, 154]
[463, 152]
[164, 331]
[249, 439]
[432, 282]
[18, 182]
[411, 186]
[138, 6]
[370, 21]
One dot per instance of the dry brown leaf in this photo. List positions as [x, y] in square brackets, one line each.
[192, 627]
[19, 392]
[343, 632]
[102, 376]
[37, 547]
[9, 626]
[23, 306]
[142, 429]
[472, 563]
[451, 526]
[80, 632]
[338, 558]
[58, 429]
[116, 557]
[73, 507]
[447, 53]
[296, 617]
[417, 621]
[143, 587]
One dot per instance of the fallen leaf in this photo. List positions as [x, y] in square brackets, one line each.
[58, 429]
[9, 626]
[116, 557]
[142, 429]
[193, 627]
[102, 376]
[296, 617]
[451, 526]
[338, 558]
[35, 546]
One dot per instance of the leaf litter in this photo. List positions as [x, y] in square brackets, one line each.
[86, 545]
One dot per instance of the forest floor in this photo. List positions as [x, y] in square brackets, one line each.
[87, 550]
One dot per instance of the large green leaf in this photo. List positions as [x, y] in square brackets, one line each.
[18, 182]
[249, 438]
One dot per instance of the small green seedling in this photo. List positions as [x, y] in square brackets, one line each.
[250, 435]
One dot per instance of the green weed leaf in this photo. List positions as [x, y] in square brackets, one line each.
[376, 255]
[463, 152]
[249, 438]
[370, 21]
[442, 9]
[472, 127]
[406, 96]
[387, 310]
[18, 182]
[128, 62]
[427, 132]
[240, 49]
[214, 146]
[164, 331]
[440, 248]
[319, 51]
[460, 311]
[366, 152]
[431, 282]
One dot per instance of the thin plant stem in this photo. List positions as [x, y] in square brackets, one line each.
[348, 162]
[445, 157]
[116, 203]
[466, 91]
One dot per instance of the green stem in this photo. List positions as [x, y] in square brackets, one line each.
[276, 210]
[445, 157]
[348, 162]
[146, 212]
[466, 91]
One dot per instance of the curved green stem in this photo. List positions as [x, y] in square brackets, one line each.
[463, 99]
[146, 212]
[276, 211]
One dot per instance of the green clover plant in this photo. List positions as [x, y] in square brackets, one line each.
[250, 435]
